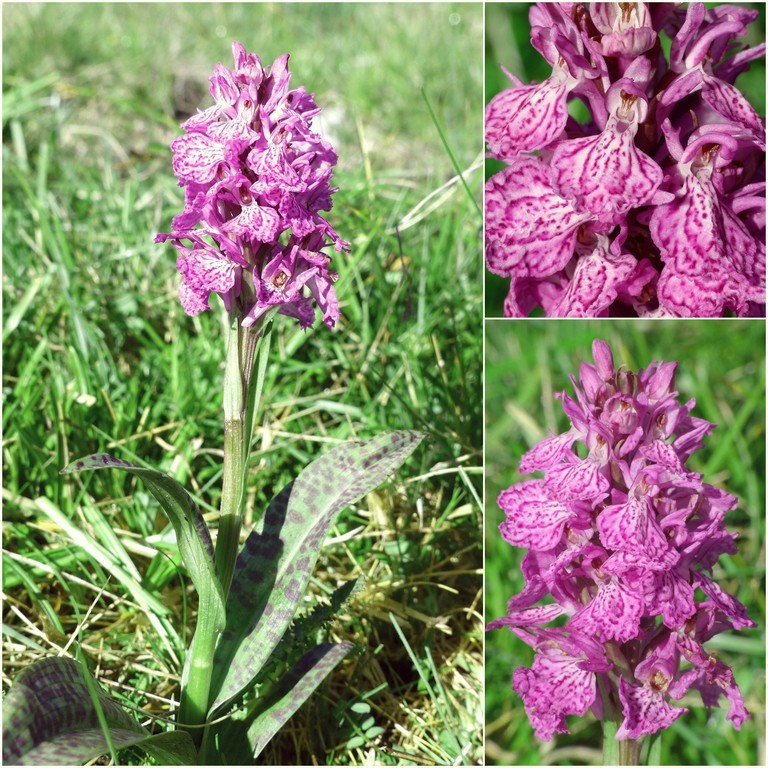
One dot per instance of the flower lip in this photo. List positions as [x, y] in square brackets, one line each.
[712, 145]
[627, 102]
[628, 13]
[658, 682]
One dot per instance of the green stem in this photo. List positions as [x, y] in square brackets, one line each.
[196, 681]
[241, 405]
[624, 752]
[610, 745]
[231, 518]
[198, 672]
[237, 376]
[629, 751]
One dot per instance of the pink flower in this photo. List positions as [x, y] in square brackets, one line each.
[655, 205]
[255, 176]
[620, 532]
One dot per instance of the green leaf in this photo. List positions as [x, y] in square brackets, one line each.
[192, 535]
[275, 565]
[291, 692]
[51, 718]
[653, 747]
[170, 748]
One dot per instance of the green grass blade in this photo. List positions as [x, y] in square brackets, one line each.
[155, 610]
[35, 593]
[448, 149]
[95, 695]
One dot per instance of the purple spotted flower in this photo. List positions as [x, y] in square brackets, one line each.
[622, 537]
[655, 207]
[255, 177]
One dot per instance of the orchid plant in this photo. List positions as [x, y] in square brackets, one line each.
[653, 206]
[623, 537]
[255, 176]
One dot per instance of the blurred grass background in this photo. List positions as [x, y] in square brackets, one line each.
[98, 354]
[722, 366]
[508, 44]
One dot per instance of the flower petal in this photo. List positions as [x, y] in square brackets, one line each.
[595, 284]
[728, 604]
[196, 158]
[527, 118]
[632, 527]
[534, 518]
[537, 616]
[205, 271]
[547, 453]
[556, 685]
[645, 711]
[614, 612]
[255, 222]
[729, 102]
[699, 278]
[530, 229]
[606, 175]
[582, 480]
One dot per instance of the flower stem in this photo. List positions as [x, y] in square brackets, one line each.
[610, 745]
[231, 518]
[629, 751]
[241, 347]
[241, 404]
[196, 680]
[238, 409]
[619, 752]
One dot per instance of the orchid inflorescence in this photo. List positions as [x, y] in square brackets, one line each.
[655, 206]
[255, 177]
[621, 539]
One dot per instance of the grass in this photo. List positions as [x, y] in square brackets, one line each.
[722, 365]
[98, 355]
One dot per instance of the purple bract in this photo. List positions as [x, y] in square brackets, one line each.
[255, 176]
[621, 535]
[656, 206]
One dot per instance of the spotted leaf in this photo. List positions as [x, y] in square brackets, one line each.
[274, 566]
[51, 718]
[292, 690]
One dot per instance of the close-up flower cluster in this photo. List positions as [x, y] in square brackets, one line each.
[255, 176]
[623, 537]
[655, 205]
